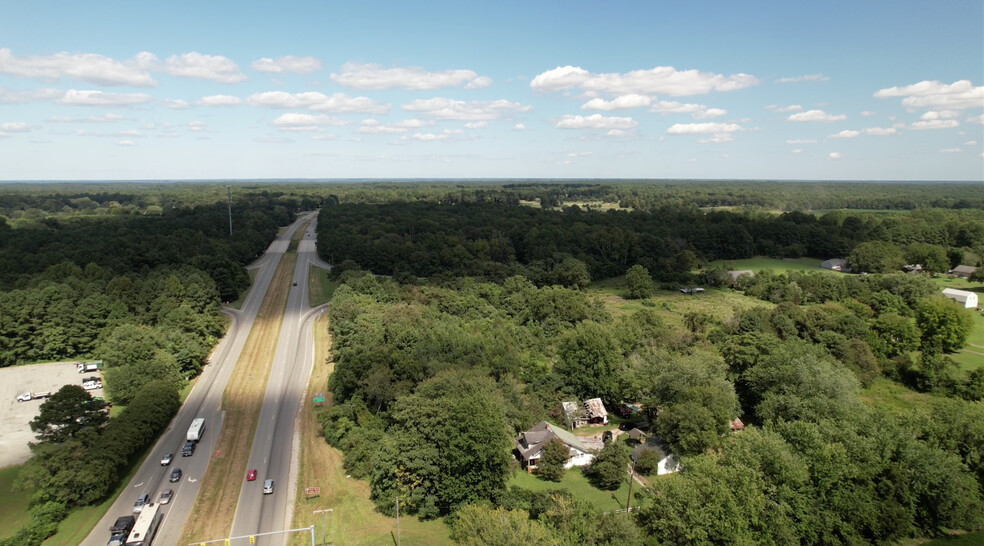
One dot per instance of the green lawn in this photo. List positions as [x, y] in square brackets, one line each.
[320, 286]
[894, 398]
[772, 264]
[13, 503]
[969, 539]
[575, 482]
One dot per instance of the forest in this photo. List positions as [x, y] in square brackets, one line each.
[465, 312]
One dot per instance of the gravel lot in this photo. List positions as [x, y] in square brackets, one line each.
[15, 432]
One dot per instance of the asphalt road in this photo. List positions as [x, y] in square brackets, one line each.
[203, 401]
[273, 454]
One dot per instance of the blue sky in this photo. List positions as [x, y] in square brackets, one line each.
[722, 90]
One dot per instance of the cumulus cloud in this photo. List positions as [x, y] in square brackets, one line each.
[976, 119]
[273, 140]
[950, 151]
[372, 76]
[220, 100]
[197, 126]
[373, 127]
[806, 78]
[801, 141]
[661, 80]
[846, 133]
[126, 143]
[215, 68]
[880, 131]
[294, 120]
[709, 113]
[289, 63]
[934, 124]
[87, 67]
[10, 96]
[796, 151]
[476, 124]
[175, 104]
[618, 103]
[105, 118]
[834, 155]
[449, 109]
[716, 138]
[942, 114]
[319, 102]
[868, 113]
[783, 109]
[816, 116]
[959, 95]
[79, 97]
[519, 127]
[702, 128]
[595, 121]
[15, 127]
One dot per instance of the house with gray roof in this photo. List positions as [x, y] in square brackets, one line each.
[963, 271]
[530, 444]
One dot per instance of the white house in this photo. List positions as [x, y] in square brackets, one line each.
[963, 297]
[530, 444]
[667, 463]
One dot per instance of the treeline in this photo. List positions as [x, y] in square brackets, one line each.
[496, 241]
[81, 455]
[431, 384]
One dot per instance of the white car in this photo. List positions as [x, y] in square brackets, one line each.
[267, 487]
[92, 385]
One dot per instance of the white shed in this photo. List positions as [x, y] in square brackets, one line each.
[963, 297]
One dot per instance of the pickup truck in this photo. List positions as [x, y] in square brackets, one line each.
[92, 385]
[27, 396]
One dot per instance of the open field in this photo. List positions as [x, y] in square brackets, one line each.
[320, 286]
[354, 519]
[575, 482]
[215, 505]
[775, 265]
[894, 398]
[13, 503]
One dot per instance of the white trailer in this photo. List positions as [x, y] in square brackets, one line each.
[145, 528]
[196, 430]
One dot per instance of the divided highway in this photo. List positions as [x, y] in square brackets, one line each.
[205, 401]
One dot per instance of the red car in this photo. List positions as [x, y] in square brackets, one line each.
[251, 475]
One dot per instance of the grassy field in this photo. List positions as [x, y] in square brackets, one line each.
[13, 503]
[969, 539]
[772, 264]
[575, 482]
[243, 398]
[894, 398]
[354, 519]
[320, 286]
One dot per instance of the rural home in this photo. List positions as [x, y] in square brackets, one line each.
[589, 412]
[963, 271]
[836, 264]
[529, 444]
[667, 464]
[963, 297]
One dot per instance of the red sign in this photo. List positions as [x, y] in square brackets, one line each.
[312, 490]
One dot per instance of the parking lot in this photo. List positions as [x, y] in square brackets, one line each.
[15, 432]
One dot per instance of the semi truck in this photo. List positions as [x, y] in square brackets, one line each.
[86, 367]
[27, 396]
[196, 429]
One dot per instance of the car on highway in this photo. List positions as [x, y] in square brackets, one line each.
[188, 450]
[167, 458]
[267, 487]
[141, 501]
[166, 496]
[175, 475]
[251, 475]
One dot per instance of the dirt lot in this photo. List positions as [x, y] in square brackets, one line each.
[15, 416]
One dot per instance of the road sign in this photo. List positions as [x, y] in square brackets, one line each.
[318, 397]
[312, 490]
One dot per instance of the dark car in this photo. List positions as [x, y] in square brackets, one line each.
[188, 450]
[175, 475]
[123, 525]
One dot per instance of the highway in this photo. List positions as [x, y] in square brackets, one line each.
[204, 401]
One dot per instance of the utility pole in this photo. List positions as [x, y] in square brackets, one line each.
[628, 499]
[324, 539]
[397, 521]
[229, 201]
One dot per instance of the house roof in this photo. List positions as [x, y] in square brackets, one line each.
[595, 408]
[959, 295]
[530, 442]
[968, 269]
[736, 424]
[635, 434]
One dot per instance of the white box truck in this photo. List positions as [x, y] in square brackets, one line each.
[196, 429]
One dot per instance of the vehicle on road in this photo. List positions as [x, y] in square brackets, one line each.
[119, 530]
[167, 458]
[295, 284]
[251, 475]
[267, 487]
[188, 450]
[92, 378]
[142, 501]
[175, 475]
[145, 528]
[92, 385]
[28, 396]
[86, 367]
[166, 496]
[196, 430]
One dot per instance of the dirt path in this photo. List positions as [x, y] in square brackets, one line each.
[215, 506]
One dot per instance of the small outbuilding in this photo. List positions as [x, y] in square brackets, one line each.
[836, 264]
[963, 271]
[733, 276]
[963, 297]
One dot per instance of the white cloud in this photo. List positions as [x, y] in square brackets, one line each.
[87, 67]
[220, 100]
[595, 121]
[816, 116]
[371, 76]
[709, 113]
[880, 131]
[796, 151]
[324, 137]
[449, 109]
[950, 151]
[105, 118]
[801, 141]
[11, 96]
[834, 155]
[702, 128]
[319, 102]
[197, 126]
[661, 80]
[806, 78]
[976, 119]
[476, 124]
[618, 103]
[934, 124]
[447, 134]
[289, 63]
[206, 67]
[970, 143]
[846, 133]
[175, 104]
[414, 123]
[15, 127]
[273, 140]
[79, 97]
[716, 138]
[868, 113]
[126, 143]
[942, 114]
[959, 95]
[373, 127]
[294, 120]
[519, 127]
[790, 108]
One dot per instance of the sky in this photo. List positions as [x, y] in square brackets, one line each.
[838, 90]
